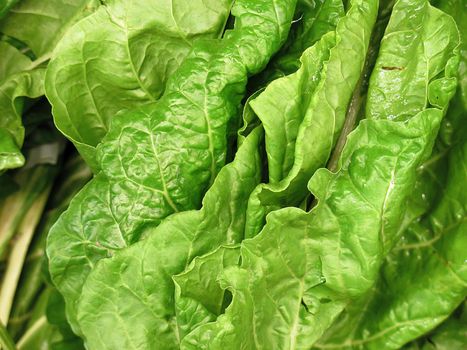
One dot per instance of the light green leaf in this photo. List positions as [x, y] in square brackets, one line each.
[13, 92]
[313, 20]
[410, 58]
[197, 299]
[458, 10]
[139, 278]
[120, 57]
[394, 311]
[423, 279]
[21, 77]
[162, 157]
[13, 60]
[302, 270]
[47, 21]
[451, 334]
[282, 117]
[303, 114]
[429, 255]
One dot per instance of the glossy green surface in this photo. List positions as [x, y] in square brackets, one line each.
[137, 280]
[303, 113]
[162, 157]
[429, 254]
[121, 57]
[303, 268]
[334, 217]
[31, 30]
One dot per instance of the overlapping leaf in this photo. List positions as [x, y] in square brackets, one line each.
[24, 49]
[301, 271]
[303, 114]
[137, 281]
[120, 57]
[429, 254]
[162, 157]
[451, 334]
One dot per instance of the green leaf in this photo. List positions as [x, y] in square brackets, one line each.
[5, 6]
[162, 157]
[316, 19]
[121, 57]
[13, 92]
[197, 299]
[429, 254]
[20, 76]
[458, 10]
[282, 117]
[313, 20]
[56, 317]
[451, 334]
[47, 21]
[411, 58]
[13, 60]
[303, 113]
[139, 278]
[304, 268]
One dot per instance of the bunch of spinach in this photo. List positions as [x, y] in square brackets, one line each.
[252, 174]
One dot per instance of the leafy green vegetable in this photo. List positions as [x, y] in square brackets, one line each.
[233, 174]
[183, 136]
[317, 114]
[47, 22]
[313, 20]
[24, 50]
[120, 57]
[429, 254]
[303, 268]
[139, 278]
[306, 287]
[452, 334]
[13, 90]
[199, 301]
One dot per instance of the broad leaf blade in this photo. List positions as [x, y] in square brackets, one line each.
[302, 131]
[121, 57]
[162, 157]
[139, 278]
[301, 271]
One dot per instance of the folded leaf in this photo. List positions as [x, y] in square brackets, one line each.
[21, 76]
[313, 20]
[137, 281]
[120, 57]
[13, 92]
[162, 157]
[303, 114]
[316, 19]
[303, 268]
[300, 272]
[197, 299]
[429, 254]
